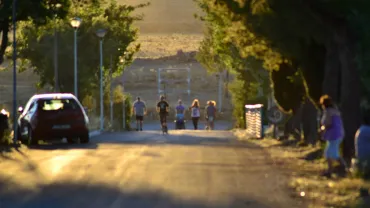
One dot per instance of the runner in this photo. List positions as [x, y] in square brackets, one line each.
[162, 109]
[195, 113]
[210, 112]
[139, 109]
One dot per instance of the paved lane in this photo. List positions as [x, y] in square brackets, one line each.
[144, 169]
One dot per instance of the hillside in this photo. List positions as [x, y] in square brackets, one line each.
[168, 16]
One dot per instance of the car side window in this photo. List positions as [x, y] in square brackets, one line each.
[32, 107]
[28, 106]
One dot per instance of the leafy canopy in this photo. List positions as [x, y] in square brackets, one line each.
[36, 45]
[36, 12]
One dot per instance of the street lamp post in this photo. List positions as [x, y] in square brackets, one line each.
[101, 33]
[123, 86]
[56, 75]
[14, 72]
[75, 23]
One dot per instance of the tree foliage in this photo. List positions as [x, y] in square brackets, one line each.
[35, 11]
[324, 44]
[216, 55]
[36, 45]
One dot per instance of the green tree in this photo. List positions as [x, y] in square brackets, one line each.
[36, 11]
[215, 54]
[319, 38]
[36, 45]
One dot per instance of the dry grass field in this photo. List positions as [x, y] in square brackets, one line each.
[168, 16]
[169, 26]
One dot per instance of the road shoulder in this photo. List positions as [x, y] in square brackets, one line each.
[303, 166]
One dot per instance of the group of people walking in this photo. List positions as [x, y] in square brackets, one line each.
[163, 108]
[331, 124]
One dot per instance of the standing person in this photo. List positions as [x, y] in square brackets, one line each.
[333, 133]
[139, 109]
[210, 112]
[162, 109]
[195, 113]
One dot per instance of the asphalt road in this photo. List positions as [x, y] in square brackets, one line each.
[144, 169]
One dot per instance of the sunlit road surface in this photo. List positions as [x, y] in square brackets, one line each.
[144, 169]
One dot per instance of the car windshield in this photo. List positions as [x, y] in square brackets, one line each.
[57, 104]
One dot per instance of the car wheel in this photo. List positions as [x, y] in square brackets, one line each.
[71, 140]
[31, 140]
[19, 136]
[85, 138]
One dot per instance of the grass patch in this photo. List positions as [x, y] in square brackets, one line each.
[303, 164]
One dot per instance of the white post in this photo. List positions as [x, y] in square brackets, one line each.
[159, 81]
[189, 81]
[111, 90]
[101, 87]
[75, 63]
[220, 92]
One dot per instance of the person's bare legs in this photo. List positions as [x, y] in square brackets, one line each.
[212, 125]
[329, 171]
[343, 163]
[330, 165]
[141, 125]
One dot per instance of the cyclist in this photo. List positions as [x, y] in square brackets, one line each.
[180, 115]
[139, 109]
[180, 109]
[162, 109]
[211, 114]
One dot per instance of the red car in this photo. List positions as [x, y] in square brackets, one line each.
[53, 116]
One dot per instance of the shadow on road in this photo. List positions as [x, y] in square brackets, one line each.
[63, 146]
[186, 138]
[74, 195]
[6, 150]
[155, 137]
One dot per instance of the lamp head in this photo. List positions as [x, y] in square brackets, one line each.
[101, 33]
[76, 22]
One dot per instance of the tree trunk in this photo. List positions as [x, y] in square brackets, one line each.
[293, 125]
[309, 122]
[4, 28]
[331, 81]
[350, 90]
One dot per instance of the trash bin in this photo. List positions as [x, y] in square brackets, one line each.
[253, 120]
[4, 123]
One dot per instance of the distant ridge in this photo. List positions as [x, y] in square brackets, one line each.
[168, 16]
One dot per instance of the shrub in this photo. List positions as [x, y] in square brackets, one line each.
[119, 98]
[6, 138]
